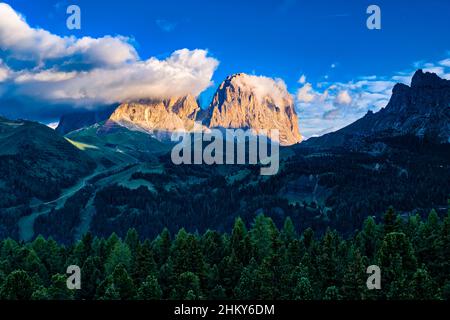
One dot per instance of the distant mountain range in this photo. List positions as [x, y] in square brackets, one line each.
[238, 103]
[421, 110]
[108, 173]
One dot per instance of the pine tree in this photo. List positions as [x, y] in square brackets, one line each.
[18, 286]
[430, 245]
[120, 282]
[443, 276]
[91, 277]
[58, 289]
[150, 289]
[303, 290]
[230, 270]
[247, 289]
[120, 254]
[240, 242]
[132, 240]
[422, 286]
[327, 260]
[166, 278]
[261, 236]
[212, 245]
[161, 246]
[390, 221]
[288, 234]
[369, 238]
[145, 264]
[398, 263]
[354, 282]
[188, 286]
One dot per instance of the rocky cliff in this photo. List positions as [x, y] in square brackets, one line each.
[259, 103]
[158, 115]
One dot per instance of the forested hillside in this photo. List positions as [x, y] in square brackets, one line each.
[336, 189]
[261, 262]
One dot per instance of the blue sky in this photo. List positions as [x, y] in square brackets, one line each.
[326, 41]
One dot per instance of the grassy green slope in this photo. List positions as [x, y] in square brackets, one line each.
[36, 162]
[117, 145]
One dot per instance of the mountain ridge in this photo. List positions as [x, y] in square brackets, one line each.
[422, 110]
[240, 102]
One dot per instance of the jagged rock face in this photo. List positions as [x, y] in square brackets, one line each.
[422, 110]
[158, 115]
[241, 101]
[244, 101]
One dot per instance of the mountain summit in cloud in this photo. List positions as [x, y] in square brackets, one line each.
[259, 103]
[241, 102]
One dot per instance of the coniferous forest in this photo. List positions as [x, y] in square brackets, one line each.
[259, 261]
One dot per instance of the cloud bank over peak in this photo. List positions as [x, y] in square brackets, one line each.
[36, 65]
[263, 87]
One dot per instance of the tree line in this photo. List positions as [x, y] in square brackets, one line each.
[259, 261]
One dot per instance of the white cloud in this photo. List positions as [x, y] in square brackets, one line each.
[302, 79]
[89, 71]
[264, 87]
[403, 77]
[445, 62]
[24, 43]
[343, 98]
[184, 72]
[306, 93]
[335, 105]
[338, 104]
[4, 71]
[434, 69]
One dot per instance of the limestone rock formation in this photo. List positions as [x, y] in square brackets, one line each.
[259, 103]
[158, 115]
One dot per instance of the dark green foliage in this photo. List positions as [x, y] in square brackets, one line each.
[61, 223]
[150, 289]
[337, 189]
[36, 162]
[260, 263]
[17, 286]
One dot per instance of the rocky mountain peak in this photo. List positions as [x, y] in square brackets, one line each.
[158, 115]
[421, 110]
[259, 103]
[428, 80]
